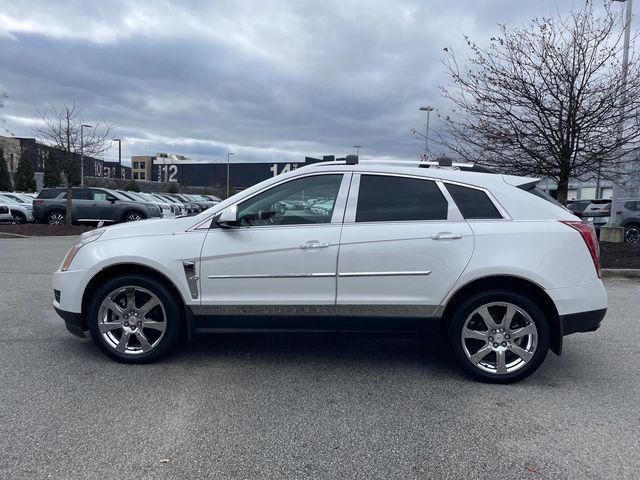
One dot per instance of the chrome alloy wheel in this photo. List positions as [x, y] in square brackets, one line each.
[632, 234]
[133, 217]
[56, 219]
[132, 320]
[499, 338]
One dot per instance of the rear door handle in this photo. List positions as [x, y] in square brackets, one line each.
[314, 244]
[446, 236]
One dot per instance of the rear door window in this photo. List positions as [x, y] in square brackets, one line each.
[384, 198]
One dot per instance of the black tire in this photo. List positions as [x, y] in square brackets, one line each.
[18, 218]
[632, 233]
[174, 319]
[522, 302]
[133, 216]
[56, 217]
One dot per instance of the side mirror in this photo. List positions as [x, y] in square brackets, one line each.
[111, 199]
[228, 218]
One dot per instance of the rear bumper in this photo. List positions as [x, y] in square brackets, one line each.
[72, 320]
[582, 322]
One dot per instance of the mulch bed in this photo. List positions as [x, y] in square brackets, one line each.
[42, 229]
[619, 255]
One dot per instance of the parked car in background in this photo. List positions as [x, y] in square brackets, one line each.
[21, 209]
[598, 213]
[629, 218]
[179, 207]
[165, 208]
[191, 206]
[577, 206]
[5, 214]
[90, 205]
[388, 248]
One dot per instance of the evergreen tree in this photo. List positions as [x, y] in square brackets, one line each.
[24, 180]
[5, 179]
[51, 171]
[133, 186]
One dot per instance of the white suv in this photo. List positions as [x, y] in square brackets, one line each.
[505, 272]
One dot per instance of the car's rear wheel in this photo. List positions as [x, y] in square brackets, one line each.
[18, 218]
[632, 234]
[499, 336]
[56, 218]
[134, 319]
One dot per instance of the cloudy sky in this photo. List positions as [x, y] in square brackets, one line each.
[271, 80]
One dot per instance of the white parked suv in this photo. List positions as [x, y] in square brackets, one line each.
[486, 258]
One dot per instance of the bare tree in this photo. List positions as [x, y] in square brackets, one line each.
[3, 97]
[545, 99]
[61, 129]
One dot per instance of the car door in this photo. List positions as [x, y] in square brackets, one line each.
[281, 258]
[102, 206]
[80, 204]
[404, 244]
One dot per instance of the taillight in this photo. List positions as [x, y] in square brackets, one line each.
[588, 234]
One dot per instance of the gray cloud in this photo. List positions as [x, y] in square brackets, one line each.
[271, 80]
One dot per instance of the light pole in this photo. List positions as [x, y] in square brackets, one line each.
[228, 160]
[119, 140]
[82, 127]
[357, 147]
[610, 231]
[427, 109]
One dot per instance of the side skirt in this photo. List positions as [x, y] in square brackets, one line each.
[312, 318]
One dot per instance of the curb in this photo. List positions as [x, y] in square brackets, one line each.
[12, 235]
[621, 273]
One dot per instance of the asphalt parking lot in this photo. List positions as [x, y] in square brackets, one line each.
[303, 406]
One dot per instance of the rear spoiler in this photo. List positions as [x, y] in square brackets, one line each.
[525, 183]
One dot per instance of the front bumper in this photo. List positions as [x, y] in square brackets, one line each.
[582, 322]
[72, 320]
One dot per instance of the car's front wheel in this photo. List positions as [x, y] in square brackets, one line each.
[499, 336]
[133, 217]
[134, 319]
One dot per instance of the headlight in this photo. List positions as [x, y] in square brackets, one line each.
[75, 248]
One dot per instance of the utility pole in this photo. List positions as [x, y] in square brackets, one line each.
[427, 109]
[119, 155]
[82, 127]
[611, 232]
[228, 159]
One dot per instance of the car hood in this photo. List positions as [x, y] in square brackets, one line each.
[149, 227]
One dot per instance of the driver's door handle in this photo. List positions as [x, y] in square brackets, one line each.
[446, 236]
[314, 244]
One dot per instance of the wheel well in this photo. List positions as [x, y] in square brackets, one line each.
[632, 223]
[515, 284]
[125, 269]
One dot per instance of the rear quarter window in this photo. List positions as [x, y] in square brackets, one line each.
[49, 193]
[474, 204]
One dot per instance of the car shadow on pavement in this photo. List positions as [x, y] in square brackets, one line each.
[348, 349]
